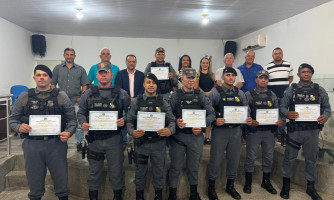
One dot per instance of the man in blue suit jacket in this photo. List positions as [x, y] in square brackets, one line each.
[130, 79]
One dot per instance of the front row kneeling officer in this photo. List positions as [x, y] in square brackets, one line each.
[304, 134]
[187, 141]
[42, 152]
[148, 144]
[109, 144]
[260, 98]
[225, 137]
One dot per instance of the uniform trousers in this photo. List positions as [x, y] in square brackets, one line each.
[112, 148]
[42, 154]
[267, 141]
[309, 141]
[229, 140]
[156, 153]
[192, 149]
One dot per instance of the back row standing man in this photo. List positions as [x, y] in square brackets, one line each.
[72, 79]
[228, 61]
[105, 57]
[280, 77]
[249, 71]
[165, 87]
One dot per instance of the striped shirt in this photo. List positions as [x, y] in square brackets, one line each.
[278, 77]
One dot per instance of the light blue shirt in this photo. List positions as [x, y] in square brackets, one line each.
[93, 71]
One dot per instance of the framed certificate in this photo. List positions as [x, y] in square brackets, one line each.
[150, 121]
[103, 120]
[307, 112]
[160, 72]
[267, 116]
[235, 114]
[44, 125]
[194, 118]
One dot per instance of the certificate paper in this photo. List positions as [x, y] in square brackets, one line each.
[44, 125]
[194, 118]
[150, 121]
[235, 114]
[160, 72]
[307, 112]
[103, 120]
[267, 116]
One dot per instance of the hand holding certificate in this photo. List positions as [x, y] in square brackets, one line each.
[235, 114]
[160, 72]
[150, 121]
[45, 125]
[307, 112]
[267, 116]
[194, 118]
[103, 120]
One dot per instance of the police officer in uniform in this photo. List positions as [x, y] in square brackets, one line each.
[300, 133]
[150, 144]
[41, 152]
[225, 137]
[165, 87]
[260, 98]
[187, 141]
[104, 144]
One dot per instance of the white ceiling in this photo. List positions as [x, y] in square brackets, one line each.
[229, 19]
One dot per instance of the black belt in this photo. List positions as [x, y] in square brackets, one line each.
[259, 128]
[306, 127]
[230, 125]
[41, 137]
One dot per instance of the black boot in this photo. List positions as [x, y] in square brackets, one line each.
[248, 182]
[311, 191]
[193, 193]
[117, 194]
[231, 190]
[212, 190]
[63, 198]
[158, 194]
[172, 194]
[266, 183]
[140, 195]
[93, 195]
[285, 188]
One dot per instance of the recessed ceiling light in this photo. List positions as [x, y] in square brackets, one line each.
[79, 13]
[205, 19]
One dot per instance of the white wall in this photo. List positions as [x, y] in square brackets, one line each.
[15, 55]
[304, 38]
[307, 37]
[88, 49]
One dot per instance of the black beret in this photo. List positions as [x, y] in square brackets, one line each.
[305, 65]
[230, 70]
[44, 69]
[152, 77]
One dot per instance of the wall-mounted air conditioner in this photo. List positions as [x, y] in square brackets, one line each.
[255, 42]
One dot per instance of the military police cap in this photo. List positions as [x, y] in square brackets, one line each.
[262, 73]
[305, 65]
[230, 70]
[104, 66]
[189, 72]
[160, 49]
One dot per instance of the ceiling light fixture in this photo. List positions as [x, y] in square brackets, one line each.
[205, 19]
[79, 13]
